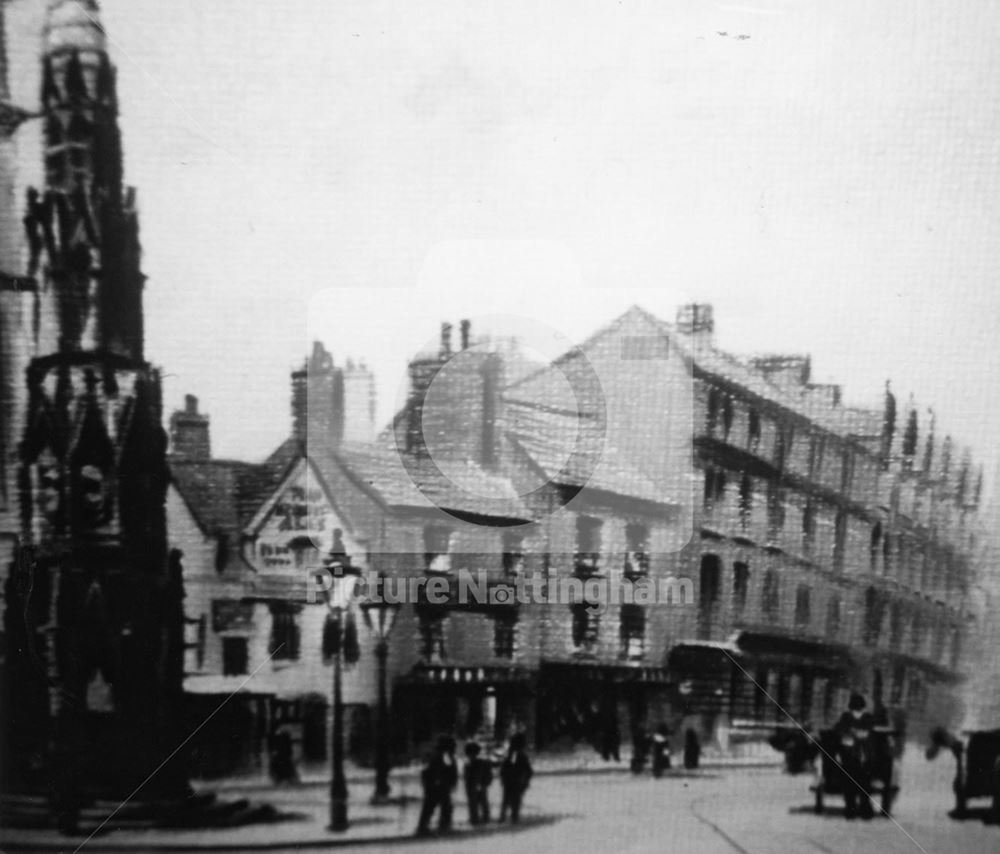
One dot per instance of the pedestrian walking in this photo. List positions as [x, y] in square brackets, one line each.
[439, 778]
[692, 749]
[478, 775]
[515, 775]
[661, 750]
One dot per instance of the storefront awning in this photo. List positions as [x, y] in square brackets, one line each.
[788, 650]
[442, 674]
[605, 673]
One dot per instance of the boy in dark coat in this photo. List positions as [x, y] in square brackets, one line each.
[439, 778]
[515, 775]
[478, 775]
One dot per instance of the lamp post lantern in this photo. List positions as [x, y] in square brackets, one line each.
[339, 593]
[380, 616]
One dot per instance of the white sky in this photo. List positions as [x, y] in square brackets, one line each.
[830, 184]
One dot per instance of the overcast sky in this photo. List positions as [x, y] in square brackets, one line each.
[361, 171]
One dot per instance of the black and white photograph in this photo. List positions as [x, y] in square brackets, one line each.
[465, 426]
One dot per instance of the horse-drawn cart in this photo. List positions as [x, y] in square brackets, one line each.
[977, 767]
[858, 769]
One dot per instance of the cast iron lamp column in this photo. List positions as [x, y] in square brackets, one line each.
[338, 598]
[380, 616]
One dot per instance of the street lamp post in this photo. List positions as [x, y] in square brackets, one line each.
[339, 593]
[380, 616]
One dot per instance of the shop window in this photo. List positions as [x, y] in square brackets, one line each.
[234, 656]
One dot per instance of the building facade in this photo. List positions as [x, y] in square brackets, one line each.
[808, 549]
[836, 547]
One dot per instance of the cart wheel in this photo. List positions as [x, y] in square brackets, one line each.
[819, 801]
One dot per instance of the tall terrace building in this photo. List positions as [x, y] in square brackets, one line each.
[831, 549]
[835, 548]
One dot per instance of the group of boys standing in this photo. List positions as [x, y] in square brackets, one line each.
[440, 778]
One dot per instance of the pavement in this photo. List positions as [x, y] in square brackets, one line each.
[307, 807]
[590, 808]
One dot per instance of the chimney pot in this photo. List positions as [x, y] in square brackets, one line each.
[695, 319]
[466, 327]
[445, 340]
[189, 432]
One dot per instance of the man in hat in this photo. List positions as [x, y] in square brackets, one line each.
[439, 778]
[515, 775]
[855, 757]
[478, 775]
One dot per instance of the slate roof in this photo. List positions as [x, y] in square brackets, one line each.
[571, 451]
[809, 402]
[224, 495]
[465, 487]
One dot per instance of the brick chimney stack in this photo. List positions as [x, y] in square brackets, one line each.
[331, 404]
[695, 321]
[189, 432]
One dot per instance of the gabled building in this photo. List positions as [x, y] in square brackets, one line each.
[251, 535]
